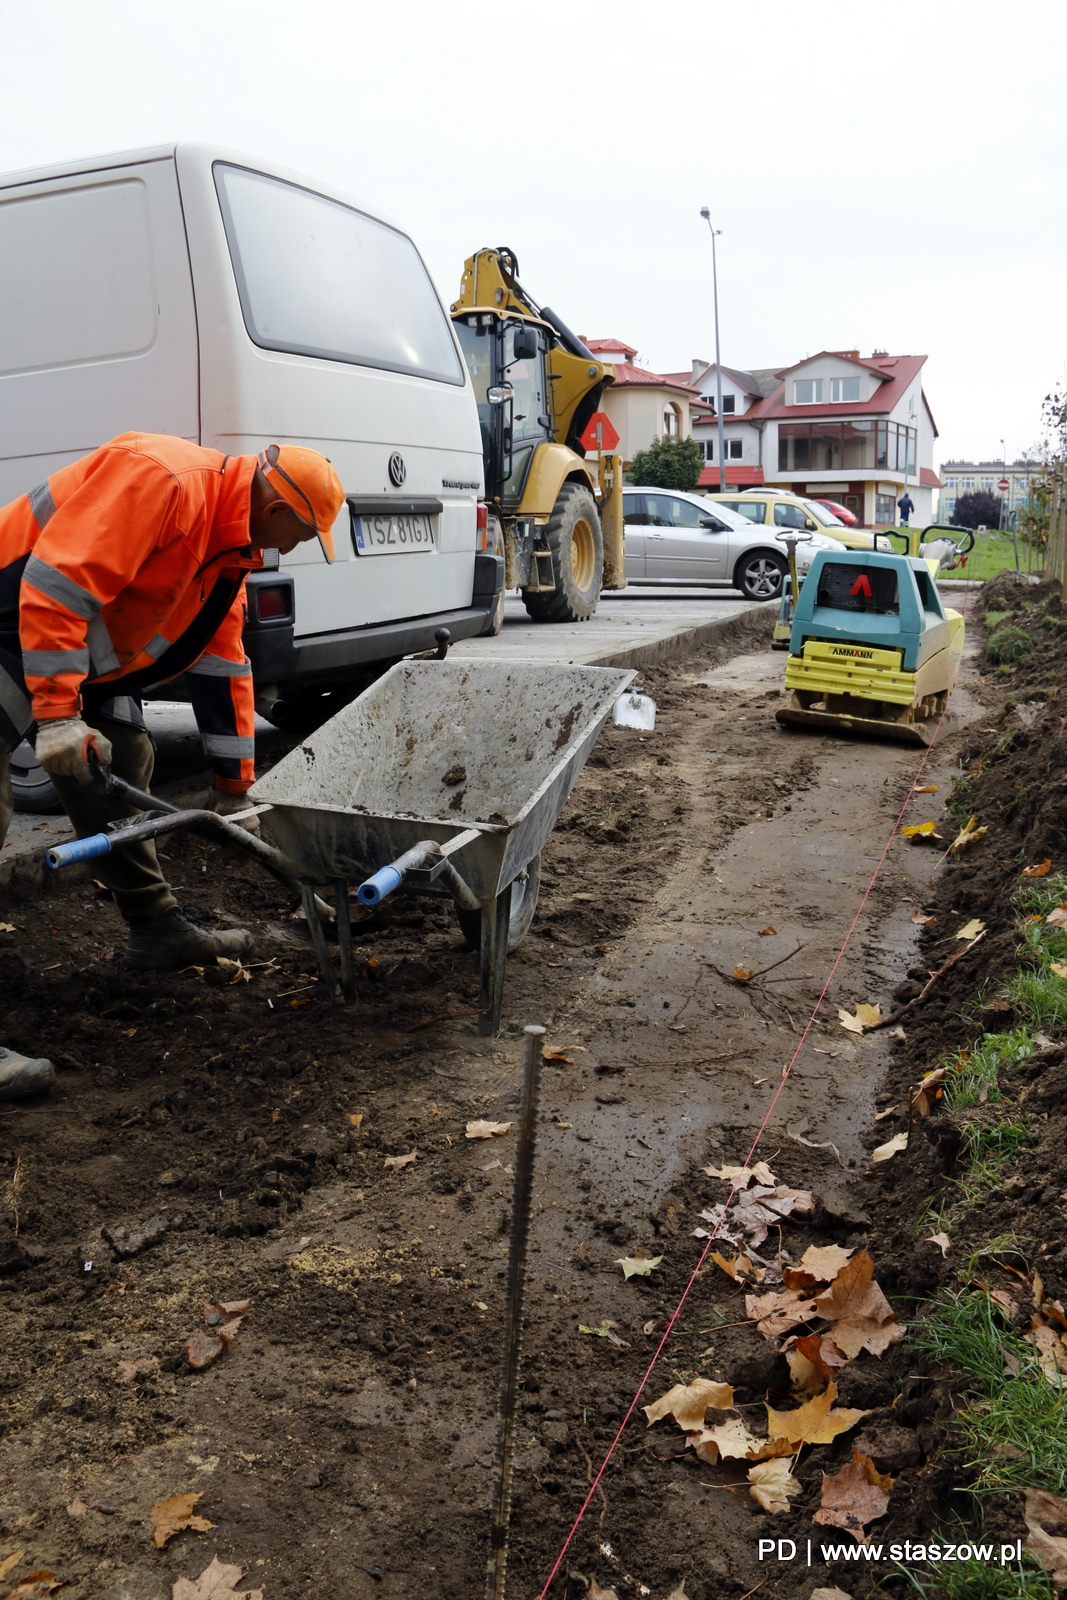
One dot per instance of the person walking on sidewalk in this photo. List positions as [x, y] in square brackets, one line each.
[119, 572]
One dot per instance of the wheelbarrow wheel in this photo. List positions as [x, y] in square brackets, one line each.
[524, 890]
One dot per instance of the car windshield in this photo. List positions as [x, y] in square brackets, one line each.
[821, 514]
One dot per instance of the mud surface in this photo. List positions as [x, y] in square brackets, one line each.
[215, 1142]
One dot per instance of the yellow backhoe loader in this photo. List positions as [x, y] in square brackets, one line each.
[555, 514]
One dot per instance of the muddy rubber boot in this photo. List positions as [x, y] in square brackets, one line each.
[163, 944]
[22, 1075]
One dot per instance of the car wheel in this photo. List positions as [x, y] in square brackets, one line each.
[31, 787]
[759, 576]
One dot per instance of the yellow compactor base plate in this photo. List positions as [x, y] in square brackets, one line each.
[871, 727]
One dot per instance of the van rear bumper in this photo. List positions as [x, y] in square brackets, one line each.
[278, 658]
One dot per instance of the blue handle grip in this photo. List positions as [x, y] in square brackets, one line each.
[384, 881]
[65, 855]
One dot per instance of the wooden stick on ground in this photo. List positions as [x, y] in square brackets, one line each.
[919, 998]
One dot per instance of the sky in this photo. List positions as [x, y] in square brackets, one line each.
[885, 177]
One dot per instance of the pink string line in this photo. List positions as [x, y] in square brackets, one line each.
[786, 1071]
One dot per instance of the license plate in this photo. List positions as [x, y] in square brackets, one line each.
[392, 533]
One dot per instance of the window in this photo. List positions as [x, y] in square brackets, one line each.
[885, 510]
[526, 379]
[842, 389]
[987, 483]
[949, 508]
[950, 483]
[321, 279]
[634, 514]
[853, 589]
[671, 419]
[733, 449]
[807, 392]
[966, 483]
[665, 511]
[709, 449]
[91, 299]
[728, 405]
[790, 517]
[754, 510]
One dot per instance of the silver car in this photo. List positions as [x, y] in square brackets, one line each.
[677, 538]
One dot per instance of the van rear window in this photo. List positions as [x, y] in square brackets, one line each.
[858, 588]
[319, 278]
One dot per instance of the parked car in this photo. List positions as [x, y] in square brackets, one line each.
[842, 513]
[777, 508]
[673, 537]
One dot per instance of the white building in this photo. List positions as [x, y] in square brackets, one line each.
[969, 477]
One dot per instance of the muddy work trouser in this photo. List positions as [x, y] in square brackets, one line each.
[132, 872]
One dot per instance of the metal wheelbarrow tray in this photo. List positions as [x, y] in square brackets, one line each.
[454, 771]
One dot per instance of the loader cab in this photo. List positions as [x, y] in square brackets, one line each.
[506, 360]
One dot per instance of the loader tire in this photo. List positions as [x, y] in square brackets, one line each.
[576, 543]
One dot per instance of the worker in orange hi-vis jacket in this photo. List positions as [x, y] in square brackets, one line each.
[119, 572]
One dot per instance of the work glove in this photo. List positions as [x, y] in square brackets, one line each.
[63, 745]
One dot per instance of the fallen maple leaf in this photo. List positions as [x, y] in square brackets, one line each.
[559, 1055]
[1039, 870]
[1059, 968]
[1057, 917]
[1051, 1354]
[12, 1561]
[174, 1515]
[920, 830]
[771, 1485]
[743, 1175]
[130, 1371]
[818, 1264]
[227, 1308]
[485, 1130]
[892, 1147]
[862, 1316]
[815, 1422]
[866, 1016]
[812, 1361]
[6, 927]
[942, 1241]
[742, 1269]
[401, 1161]
[972, 929]
[733, 1442]
[924, 1097]
[927, 788]
[742, 974]
[687, 1403]
[921, 920]
[35, 1583]
[968, 835]
[77, 1508]
[202, 1347]
[856, 1495]
[637, 1266]
[356, 1118]
[216, 1582]
[774, 1314]
[765, 932]
[595, 1592]
[1048, 1549]
[679, 1593]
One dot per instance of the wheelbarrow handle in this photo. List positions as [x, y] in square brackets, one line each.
[66, 855]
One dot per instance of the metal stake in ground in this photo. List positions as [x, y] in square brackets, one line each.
[509, 1383]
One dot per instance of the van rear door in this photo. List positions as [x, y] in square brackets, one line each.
[97, 326]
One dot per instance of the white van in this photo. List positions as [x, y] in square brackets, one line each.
[191, 291]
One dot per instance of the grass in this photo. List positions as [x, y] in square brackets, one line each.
[1008, 643]
[1015, 1424]
[974, 1580]
[993, 619]
[1035, 991]
[974, 1074]
[992, 553]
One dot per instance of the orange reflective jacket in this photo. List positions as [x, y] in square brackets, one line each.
[123, 552]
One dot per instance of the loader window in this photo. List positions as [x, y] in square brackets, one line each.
[527, 380]
[858, 588]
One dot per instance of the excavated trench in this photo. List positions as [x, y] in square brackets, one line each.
[240, 1132]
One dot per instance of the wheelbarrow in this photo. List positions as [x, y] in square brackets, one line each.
[443, 778]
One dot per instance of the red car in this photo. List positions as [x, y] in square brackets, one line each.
[842, 513]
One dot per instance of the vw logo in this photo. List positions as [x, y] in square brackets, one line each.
[397, 470]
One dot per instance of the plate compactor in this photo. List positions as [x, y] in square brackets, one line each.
[872, 650]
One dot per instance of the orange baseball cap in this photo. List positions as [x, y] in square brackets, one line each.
[308, 482]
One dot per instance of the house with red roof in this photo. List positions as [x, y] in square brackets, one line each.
[835, 426]
[644, 405]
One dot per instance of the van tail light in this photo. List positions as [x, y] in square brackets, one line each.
[483, 526]
[272, 601]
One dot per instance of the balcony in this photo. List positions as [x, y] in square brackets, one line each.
[860, 446]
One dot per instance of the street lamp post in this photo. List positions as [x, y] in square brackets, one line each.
[706, 214]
